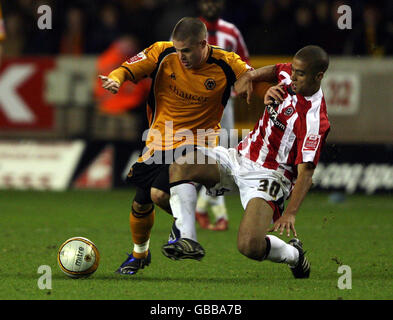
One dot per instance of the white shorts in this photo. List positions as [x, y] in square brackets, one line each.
[252, 180]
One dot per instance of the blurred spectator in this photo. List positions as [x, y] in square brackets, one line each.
[141, 16]
[371, 36]
[306, 33]
[171, 13]
[113, 110]
[14, 43]
[273, 33]
[323, 24]
[2, 34]
[269, 26]
[131, 95]
[104, 29]
[73, 38]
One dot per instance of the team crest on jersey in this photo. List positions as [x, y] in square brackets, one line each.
[210, 84]
[312, 142]
[288, 111]
[139, 57]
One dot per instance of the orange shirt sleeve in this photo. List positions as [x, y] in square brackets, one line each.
[238, 66]
[141, 65]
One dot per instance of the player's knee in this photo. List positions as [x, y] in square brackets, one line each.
[138, 207]
[252, 247]
[160, 198]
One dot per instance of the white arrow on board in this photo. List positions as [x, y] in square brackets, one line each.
[13, 106]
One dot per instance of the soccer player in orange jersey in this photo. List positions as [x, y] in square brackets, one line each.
[191, 84]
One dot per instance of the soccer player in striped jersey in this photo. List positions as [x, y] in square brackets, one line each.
[274, 162]
[225, 35]
[191, 83]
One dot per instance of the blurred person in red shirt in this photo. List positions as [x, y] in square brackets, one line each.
[131, 97]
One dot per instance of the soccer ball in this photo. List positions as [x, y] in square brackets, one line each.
[78, 257]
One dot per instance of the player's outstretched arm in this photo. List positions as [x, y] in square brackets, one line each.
[109, 84]
[299, 192]
[243, 86]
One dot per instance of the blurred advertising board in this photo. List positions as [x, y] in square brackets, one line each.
[350, 168]
[342, 92]
[22, 87]
[38, 165]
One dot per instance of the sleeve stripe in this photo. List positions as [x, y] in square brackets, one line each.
[130, 72]
[229, 74]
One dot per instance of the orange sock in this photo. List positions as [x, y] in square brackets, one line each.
[141, 224]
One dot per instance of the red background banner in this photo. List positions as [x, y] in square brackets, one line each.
[31, 91]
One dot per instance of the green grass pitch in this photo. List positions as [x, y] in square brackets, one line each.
[357, 233]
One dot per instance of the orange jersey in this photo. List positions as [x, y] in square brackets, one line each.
[2, 26]
[184, 105]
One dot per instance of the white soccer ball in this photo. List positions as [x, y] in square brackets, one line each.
[78, 257]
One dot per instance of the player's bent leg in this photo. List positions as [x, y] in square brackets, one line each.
[253, 227]
[161, 199]
[254, 243]
[141, 223]
[195, 167]
[183, 203]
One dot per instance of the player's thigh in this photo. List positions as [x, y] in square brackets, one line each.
[160, 191]
[197, 167]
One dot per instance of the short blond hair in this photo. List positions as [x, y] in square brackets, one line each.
[189, 28]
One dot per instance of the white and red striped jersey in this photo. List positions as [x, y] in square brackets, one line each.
[226, 36]
[289, 134]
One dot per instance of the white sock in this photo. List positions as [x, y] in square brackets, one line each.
[143, 247]
[218, 207]
[203, 201]
[281, 252]
[183, 201]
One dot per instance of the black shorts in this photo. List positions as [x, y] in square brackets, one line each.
[153, 174]
[147, 176]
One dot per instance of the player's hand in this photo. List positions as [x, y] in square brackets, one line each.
[243, 87]
[274, 93]
[285, 222]
[109, 84]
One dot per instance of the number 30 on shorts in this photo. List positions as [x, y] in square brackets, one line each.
[272, 190]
